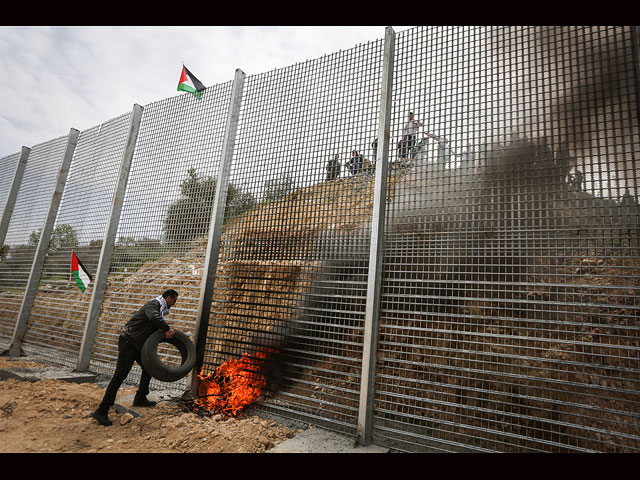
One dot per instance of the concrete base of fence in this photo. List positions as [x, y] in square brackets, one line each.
[317, 440]
[46, 373]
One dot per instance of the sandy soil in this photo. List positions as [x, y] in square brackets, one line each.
[53, 416]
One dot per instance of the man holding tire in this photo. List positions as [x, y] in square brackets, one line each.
[146, 321]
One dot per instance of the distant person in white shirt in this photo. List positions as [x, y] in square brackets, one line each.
[409, 133]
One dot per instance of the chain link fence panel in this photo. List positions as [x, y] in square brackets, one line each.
[9, 164]
[162, 234]
[56, 324]
[29, 215]
[509, 316]
[304, 153]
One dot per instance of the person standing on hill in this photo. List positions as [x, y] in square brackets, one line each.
[409, 133]
[356, 162]
[147, 320]
[333, 168]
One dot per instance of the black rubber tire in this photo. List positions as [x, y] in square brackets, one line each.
[154, 365]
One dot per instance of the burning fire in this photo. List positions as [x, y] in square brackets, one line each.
[234, 385]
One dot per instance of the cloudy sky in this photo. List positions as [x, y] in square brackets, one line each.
[55, 78]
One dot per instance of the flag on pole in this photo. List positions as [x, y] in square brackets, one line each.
[83, 279]
[189, 83]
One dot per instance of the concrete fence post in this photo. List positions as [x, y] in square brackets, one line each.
[367, 380]
[106, 253]
[43, 245]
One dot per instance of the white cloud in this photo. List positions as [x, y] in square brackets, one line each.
[57, 78]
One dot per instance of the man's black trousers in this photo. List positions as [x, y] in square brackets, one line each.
[127, 354]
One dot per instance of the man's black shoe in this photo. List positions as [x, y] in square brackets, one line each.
[143, 402]
[102, 418]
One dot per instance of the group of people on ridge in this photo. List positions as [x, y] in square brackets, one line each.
[355, 164]
[358, 163]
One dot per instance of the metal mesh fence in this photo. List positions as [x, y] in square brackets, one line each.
[165, 218]
[511, 268]
[8, 164]
[29, 214]
[509, 316]
[309, 222]
[56, 324]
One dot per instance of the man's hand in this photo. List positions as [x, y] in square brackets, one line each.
[169, 333]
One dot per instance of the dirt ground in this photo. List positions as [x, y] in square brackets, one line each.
[53, 416]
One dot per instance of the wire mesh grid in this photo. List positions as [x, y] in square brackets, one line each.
[509, 304]
[56, 325]
[162, 234]
[29, 215]
[304, 158]
[509, 314]
[9, 164]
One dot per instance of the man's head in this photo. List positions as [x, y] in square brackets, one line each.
[171, 297]
[410, 115]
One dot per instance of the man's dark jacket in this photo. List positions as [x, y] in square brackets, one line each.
[143, 323]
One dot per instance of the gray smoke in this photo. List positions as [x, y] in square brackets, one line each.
[481, 230]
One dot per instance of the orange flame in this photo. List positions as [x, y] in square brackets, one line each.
[233, 385]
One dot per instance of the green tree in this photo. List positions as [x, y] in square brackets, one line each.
[62, 236]
[189, 216]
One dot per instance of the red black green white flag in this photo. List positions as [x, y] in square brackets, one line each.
[189, 83]
[81, 275]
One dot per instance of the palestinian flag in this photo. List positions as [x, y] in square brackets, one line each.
[83, 279]
[189, 83]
